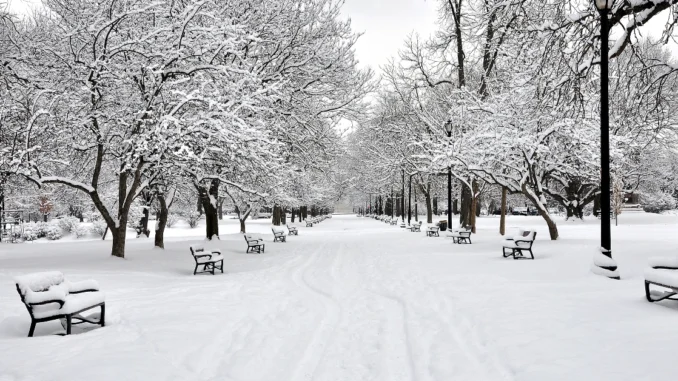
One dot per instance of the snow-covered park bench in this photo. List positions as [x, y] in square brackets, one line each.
[518, 244]
[416, 227]
[293, 230]
[49, 296]
[462, 235]
[254, 244]
[309, 223]
[663, 272]
[433, 231]
[279, 235]
[210, 262]
[394, 221]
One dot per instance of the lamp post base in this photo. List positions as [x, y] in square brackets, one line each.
[604, 265]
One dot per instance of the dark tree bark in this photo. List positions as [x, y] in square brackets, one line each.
[283, 219]
[221, 209]
[474, 205]
[147, 199]
[502, 219]
[596, 205]
[553, 229]
[409, 203]
[466, 205]
[208, 199]
[161, 223]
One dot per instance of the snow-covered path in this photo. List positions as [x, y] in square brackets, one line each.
[352, 299]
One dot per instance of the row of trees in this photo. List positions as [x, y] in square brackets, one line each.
[136, 103]
[506, 95]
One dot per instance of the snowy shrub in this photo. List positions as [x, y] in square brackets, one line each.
[171, 220]
[192, 218]
[136, 213]
[68, 224]
[29, 233]
[53, 232]
[92, 216]
[99, 227]
[658, 202]
[81, 230]
[37, 229]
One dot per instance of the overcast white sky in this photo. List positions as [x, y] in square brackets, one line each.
[386, 24]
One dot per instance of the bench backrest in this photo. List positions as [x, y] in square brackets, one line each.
[42, 286]
[277, 230]
[38, 282]
[529, 235]
[196, 249]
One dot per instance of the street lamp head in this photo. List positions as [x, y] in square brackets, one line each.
[604, 5]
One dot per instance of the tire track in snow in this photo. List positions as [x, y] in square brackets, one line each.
[315, 350]
[479, 353]
[396, 326]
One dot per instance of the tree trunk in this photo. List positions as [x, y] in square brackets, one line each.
[429, 208]
[143, 224]
[575, 209]
[435, 205]
[596, 206]
[161, 223]
[553, 229]
[221, 209]
[147, 199]
[409, 203]
[502, 219]
[474, 205]
[277, 215]
[208, 200]
[283, 220]
[242, 226]
[466, 204]
[118, 249]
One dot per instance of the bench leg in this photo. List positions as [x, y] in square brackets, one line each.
[32, 330]
[102, 319]
[648, 294]
[69, 323]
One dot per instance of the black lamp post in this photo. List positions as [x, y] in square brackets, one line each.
[448, 130]
[604, 7]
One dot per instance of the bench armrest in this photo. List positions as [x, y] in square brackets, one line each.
[203, 255]
[523, 240]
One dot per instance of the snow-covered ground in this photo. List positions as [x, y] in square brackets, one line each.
[354, 299]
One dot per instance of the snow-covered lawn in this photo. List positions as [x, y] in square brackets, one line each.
[354, 299]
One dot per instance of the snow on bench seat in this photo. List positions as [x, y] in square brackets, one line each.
[72, 304]
[662, 277]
